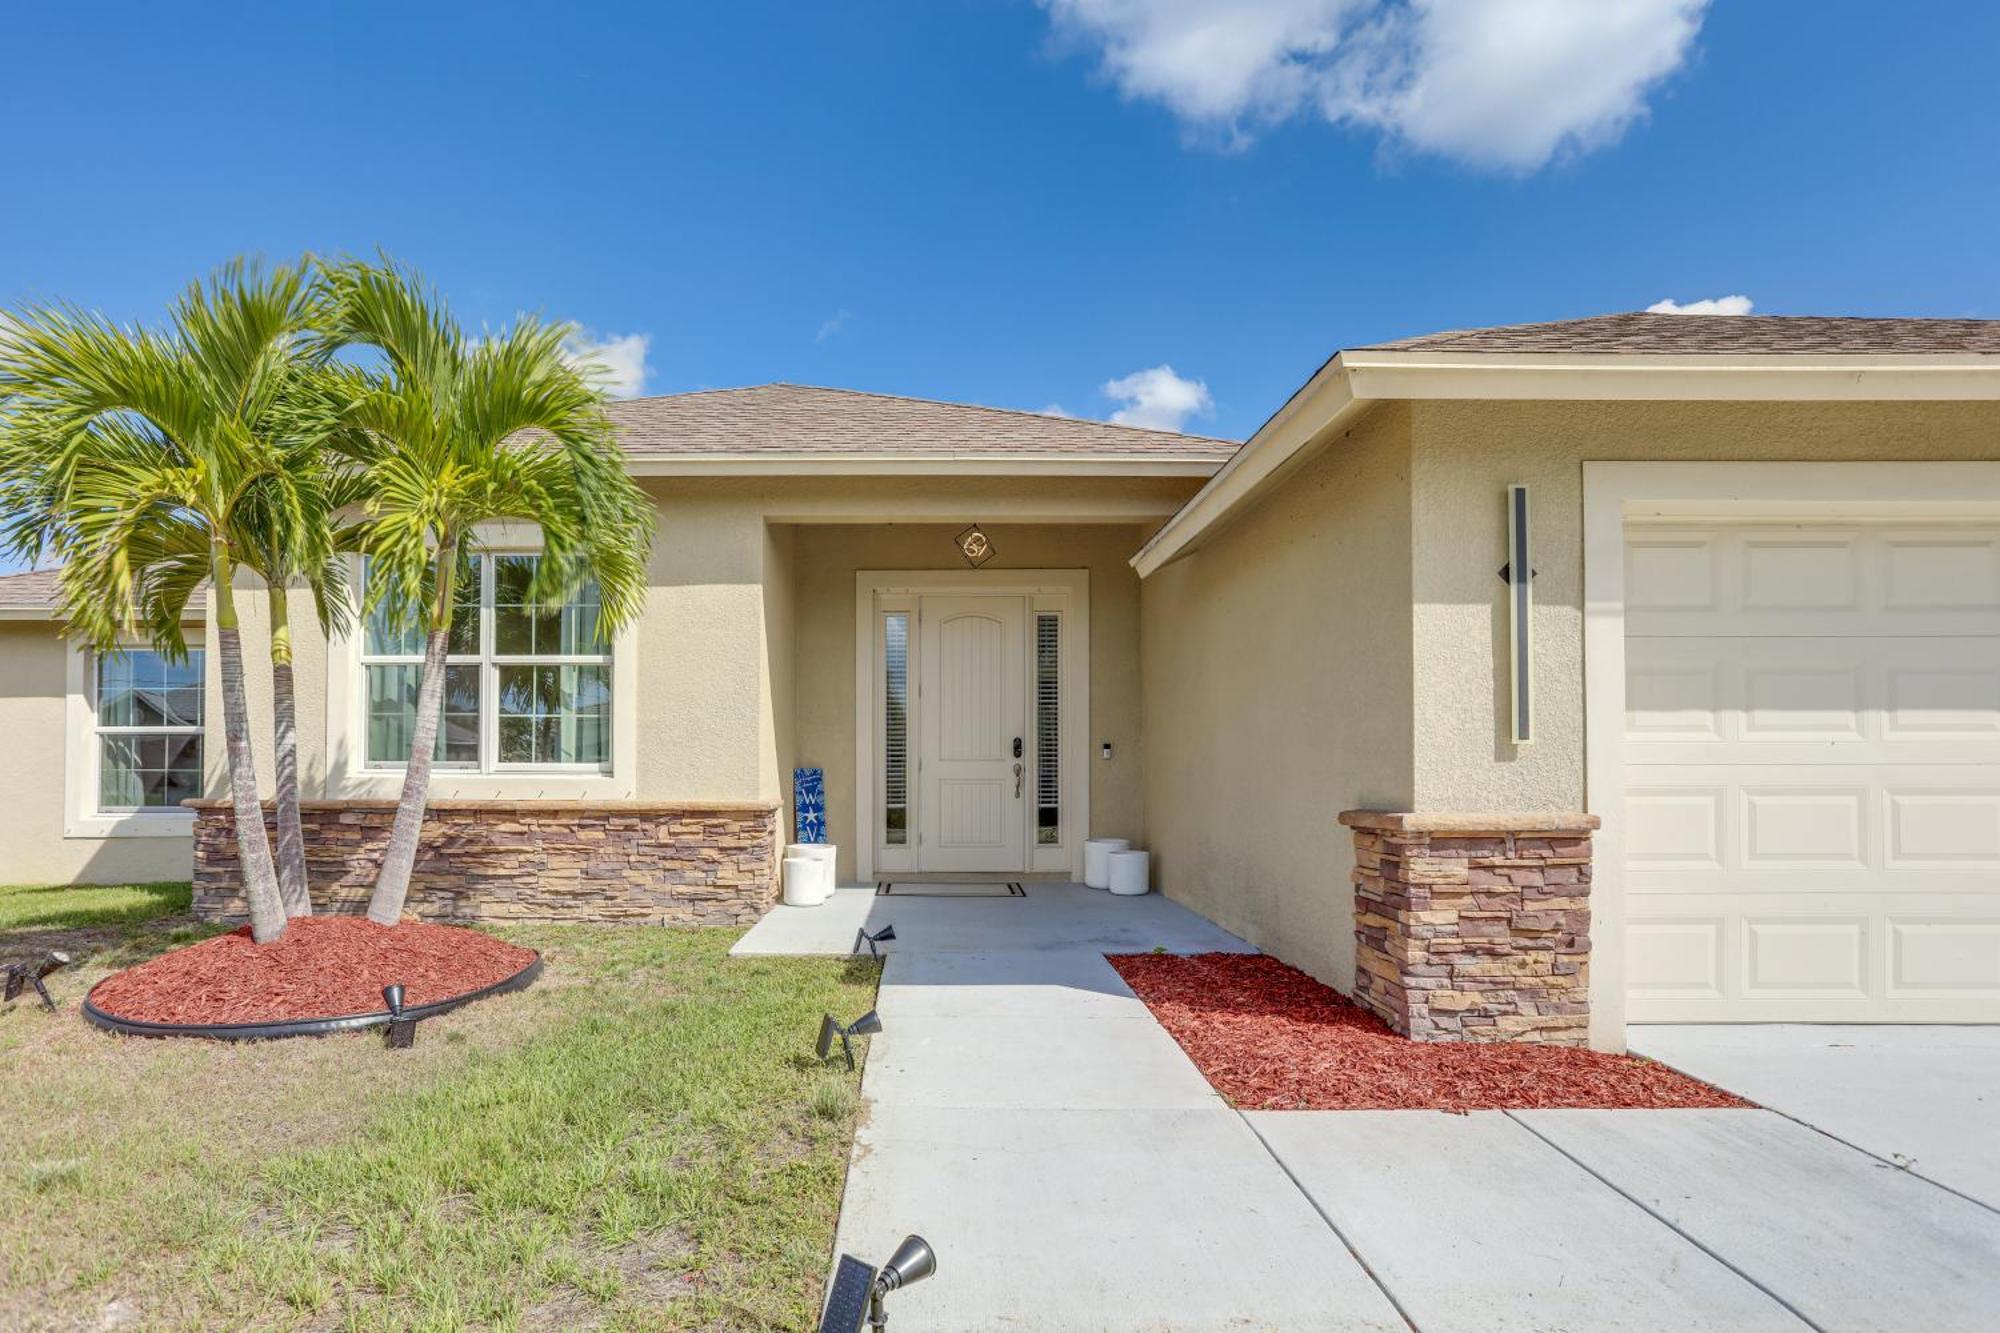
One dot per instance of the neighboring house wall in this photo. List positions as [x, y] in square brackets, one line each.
[1277, 694]
[1463, 457]
[34, 785]
[829, 556]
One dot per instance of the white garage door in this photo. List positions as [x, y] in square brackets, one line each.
[1813, 772]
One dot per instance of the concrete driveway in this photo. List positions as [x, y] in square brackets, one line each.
[1924, 1098]
[1076, 1172]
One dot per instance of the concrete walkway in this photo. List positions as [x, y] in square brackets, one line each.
[1076, 1172]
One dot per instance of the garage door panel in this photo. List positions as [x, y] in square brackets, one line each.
[1812, 747]
[1928, 573]
[1944, 959]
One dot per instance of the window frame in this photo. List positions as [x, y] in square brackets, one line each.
[490, 664]
[98, 732]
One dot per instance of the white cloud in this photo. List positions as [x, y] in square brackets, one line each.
[831, 327]
[1714, 305]
[618, 358]
[1506, 84]
[1158, 398]
[1055, 410]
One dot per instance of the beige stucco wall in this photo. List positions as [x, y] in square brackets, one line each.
[828, 558]
[33, 783]
[1465, 454]
[1277, 683]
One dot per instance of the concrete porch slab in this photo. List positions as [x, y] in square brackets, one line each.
[1847, 1241]
[1927, 1098]
[1061, 1220]
[1475, 1225]
[1052, 916]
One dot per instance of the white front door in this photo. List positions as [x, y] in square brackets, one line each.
[972, 734]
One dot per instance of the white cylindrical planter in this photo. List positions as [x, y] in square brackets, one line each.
[828, 856]
[1131, 873]
[1097, 862]
[802, 882]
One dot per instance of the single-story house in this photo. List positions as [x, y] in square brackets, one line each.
[1521, 681]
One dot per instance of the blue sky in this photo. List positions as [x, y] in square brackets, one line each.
[1011, 202]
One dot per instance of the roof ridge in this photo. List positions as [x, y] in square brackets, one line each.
[946, 402]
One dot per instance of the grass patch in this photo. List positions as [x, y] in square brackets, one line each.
[78, 907]
[640, 1141]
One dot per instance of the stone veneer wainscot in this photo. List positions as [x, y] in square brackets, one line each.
[1474, 927]
[678, 863]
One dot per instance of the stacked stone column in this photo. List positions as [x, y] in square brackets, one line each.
[1474, 927]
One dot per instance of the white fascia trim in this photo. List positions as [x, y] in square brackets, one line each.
[1326, 402]
[1654, 378]
[942, 464]
[1356, 378]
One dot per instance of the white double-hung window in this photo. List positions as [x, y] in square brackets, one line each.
[527, 687]
[148, 730]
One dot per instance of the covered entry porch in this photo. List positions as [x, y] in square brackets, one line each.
[968, 719]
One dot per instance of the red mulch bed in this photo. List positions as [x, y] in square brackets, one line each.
[321, 967]
[1270, 1038]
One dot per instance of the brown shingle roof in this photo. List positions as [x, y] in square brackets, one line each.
[1719, 335]
[32, 591]
[802, 419]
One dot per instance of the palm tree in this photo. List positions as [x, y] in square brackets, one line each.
[147, 462]
[454, 433]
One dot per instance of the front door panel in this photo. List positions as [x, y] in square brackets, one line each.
[972, 714]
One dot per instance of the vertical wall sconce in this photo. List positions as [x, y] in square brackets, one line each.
[1520, 576]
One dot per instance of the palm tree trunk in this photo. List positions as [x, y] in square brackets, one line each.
[253, 845]
[293, 888]
[392, 883]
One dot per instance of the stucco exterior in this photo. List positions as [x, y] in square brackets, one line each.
[1277, 684]
[34, 689]
[1463, 455]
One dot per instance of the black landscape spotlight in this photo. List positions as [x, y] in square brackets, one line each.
[860, 1291]
[402, 1031]
[882, 936]
[20, 976]
[867, 1025]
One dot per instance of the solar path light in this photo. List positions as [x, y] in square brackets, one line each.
[402, 1031]
[867, 1025]
[859, 1292]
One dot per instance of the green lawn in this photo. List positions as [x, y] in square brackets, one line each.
[641, 1140]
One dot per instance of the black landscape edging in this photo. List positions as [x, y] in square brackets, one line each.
[304, 1027]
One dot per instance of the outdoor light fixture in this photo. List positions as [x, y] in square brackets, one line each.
[861, 1292]
[867, 1025]
[882, 936]
[1519, 576]
[20, 976]
[402, 1031]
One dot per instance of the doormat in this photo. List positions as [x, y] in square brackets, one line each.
[892, 889]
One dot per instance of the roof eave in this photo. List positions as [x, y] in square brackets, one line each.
[1348, 383]
[927, 464]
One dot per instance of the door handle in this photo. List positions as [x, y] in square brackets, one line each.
[1017, 782]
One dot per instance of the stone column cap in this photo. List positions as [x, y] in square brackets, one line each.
[1511, 821]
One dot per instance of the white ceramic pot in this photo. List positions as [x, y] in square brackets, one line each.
[824, 855]
[1097, 860]
[1131, 873]
[803, 876]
